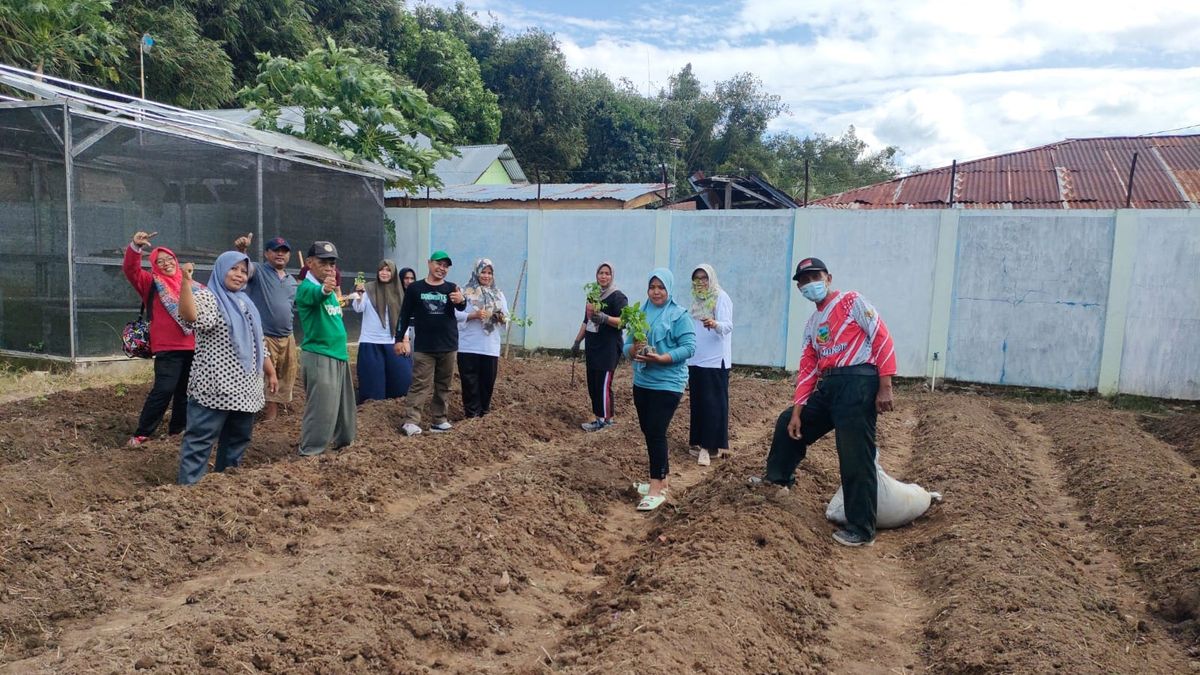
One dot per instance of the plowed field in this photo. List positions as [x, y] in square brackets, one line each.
[1068, 541]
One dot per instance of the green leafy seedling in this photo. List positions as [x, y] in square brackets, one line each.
[707, 298]
[360, 280]
[633, 320]
[594, 292]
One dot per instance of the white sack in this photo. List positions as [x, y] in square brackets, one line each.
[899, 503]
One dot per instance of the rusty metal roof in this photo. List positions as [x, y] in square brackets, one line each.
[1078, 173]
[622, 192]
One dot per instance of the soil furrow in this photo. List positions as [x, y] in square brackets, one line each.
[878, 598]
[1010, 590]
[1142, 498]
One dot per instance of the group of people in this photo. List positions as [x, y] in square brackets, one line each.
[225, 351]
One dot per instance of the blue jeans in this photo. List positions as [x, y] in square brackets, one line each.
[228, 429]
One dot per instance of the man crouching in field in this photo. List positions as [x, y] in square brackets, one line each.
[845, 380]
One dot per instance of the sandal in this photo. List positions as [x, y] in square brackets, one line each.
[642, 489]
[649, 503]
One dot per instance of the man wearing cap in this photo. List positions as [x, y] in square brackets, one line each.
[273, 292]
[845, 380]
[329, 413]
[429, 306]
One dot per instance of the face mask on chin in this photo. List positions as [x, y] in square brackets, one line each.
[814, 291]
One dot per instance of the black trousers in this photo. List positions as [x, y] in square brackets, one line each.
[655, 408]
[708, 394]
[846, 405]
[478, 375]
[599, 384]
[171, 371]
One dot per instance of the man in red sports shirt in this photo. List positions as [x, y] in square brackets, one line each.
[845, 381]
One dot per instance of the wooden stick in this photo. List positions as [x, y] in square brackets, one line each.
[513, 309]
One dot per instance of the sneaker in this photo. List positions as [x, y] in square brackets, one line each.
[441, 427]
[848, 538]
[411, 429]
[135, 441]
[595, 425]
[702, 459]
[760, 481]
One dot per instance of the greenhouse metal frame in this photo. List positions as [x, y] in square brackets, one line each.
[82, 169]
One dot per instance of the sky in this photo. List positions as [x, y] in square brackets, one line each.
[939, 79]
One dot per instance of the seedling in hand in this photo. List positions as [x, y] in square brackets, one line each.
[633, 320]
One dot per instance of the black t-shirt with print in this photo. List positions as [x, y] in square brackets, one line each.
[603, 348]
[428, 308]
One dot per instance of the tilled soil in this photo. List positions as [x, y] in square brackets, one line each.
[1068, 541]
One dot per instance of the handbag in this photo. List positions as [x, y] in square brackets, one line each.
[135, 337]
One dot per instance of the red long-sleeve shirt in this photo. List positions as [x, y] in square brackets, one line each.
[165, 333]
[844, 331]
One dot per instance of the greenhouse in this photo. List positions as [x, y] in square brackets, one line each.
[82, 169]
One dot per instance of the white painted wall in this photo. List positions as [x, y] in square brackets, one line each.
[1037, 298]
[1029, 298]
[1161, 355]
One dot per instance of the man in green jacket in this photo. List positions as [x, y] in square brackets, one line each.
[329, 412]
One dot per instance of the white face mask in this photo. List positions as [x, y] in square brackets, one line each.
[814, 290]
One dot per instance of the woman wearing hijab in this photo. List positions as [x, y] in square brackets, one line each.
[659, 377]
[601, 334]
[479, 338]
[381, 373]
[708, 369]
[226, 384]
[172, 344]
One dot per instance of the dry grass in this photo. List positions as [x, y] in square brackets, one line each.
[19, 382]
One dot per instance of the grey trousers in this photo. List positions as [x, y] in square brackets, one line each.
[433, 373]
[329, 413]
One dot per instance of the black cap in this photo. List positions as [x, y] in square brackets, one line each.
[322, 249]
[808, 265]
[276, 244]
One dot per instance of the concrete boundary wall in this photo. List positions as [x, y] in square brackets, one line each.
[1081, 300]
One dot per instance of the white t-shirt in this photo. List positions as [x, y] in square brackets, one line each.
[714, 348]
[373, 332]
[472, 338]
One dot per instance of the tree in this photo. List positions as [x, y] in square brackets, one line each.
[745, 112]
[541, 115]
[69, 38]
[440, 64]
[689, 118]
[621, 131]
[185, 68]
[249, 27]
[835, 164]
[355, 107]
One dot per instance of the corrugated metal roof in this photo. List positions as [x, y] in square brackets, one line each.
[549, 191]
[1078, 173]
[108, 106]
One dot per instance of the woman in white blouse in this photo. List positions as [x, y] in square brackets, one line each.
[381, 373]
[708, 369]
[225, 387]
[479, 338]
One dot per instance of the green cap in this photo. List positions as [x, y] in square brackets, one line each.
[441, 255]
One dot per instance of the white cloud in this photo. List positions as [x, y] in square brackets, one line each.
[941, 79]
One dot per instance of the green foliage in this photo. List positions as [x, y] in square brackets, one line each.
[594, 291]
[707, 298]
[441, 64]
[521, 321]
[621, 132]
[633, 321]
[835, 164]
[354, 106]
[542, 117]
[184, 68]
[67, 38]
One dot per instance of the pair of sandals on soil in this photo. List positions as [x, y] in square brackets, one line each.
[649, 503]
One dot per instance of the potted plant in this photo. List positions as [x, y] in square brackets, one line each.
[633, 319]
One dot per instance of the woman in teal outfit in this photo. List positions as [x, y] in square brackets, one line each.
[659, 377]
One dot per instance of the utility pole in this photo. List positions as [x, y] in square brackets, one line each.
[143, 49]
